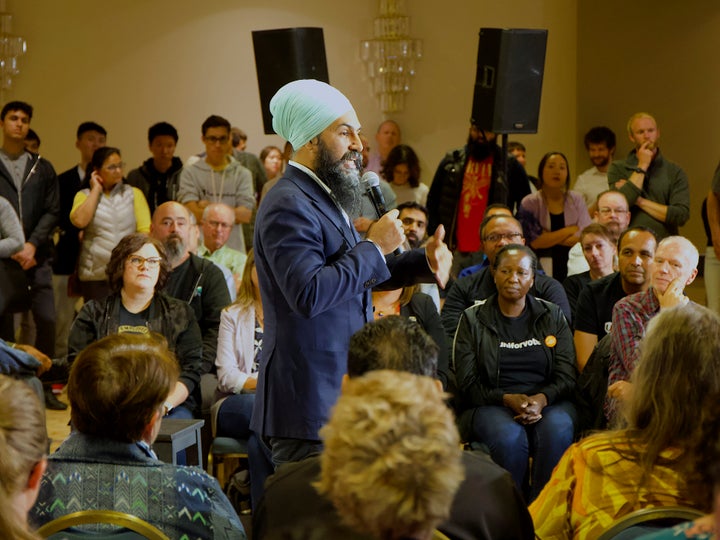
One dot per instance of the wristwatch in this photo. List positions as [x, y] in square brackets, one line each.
[639, 170]
[168, 407]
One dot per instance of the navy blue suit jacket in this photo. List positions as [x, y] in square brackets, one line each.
[315, 279]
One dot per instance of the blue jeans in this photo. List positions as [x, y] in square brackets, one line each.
[511, 444]
[233, 419]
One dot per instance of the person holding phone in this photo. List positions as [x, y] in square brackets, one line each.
[106, 210]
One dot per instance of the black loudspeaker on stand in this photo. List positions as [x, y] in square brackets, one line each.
[508, 83]
[509, 79]
[286, 55]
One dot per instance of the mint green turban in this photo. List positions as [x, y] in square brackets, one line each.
[302, 109]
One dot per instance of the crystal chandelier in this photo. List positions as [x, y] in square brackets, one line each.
[390, 56]
[11, 48]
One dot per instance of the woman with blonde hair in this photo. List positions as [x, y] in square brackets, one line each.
[23, 448]
[240, 339]
[653, 460]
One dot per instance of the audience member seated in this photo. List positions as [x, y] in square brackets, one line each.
[611, 211]
[600, 250]
[487, 504]
[414, 221]
[118, 388]
[137, 272]
[23, 446]
[194, 281]
[595, 304]
[106, 209]
[674, 268]
[158, 176]
[553, 217]
[707, 465]
[653, 461]
[495, 209]
[239, 344]
[392, 461]
[515, 370]
[402, 171]
[217, 222]
[496, 232]
[409, 302]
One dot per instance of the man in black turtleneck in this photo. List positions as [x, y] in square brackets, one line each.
[467, 180]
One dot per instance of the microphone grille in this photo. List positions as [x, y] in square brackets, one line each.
[371, 179]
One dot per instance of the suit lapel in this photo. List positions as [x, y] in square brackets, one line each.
[324, 204]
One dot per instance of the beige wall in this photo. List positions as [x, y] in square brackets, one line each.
[129, 63]
[665, 65]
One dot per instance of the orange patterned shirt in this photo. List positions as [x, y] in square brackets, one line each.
[593, 485]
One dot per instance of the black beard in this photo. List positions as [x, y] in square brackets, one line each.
[174, 248]
[479, 149]
[413, 241]
[344, 183]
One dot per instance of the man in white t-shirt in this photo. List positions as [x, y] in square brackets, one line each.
[600, 145]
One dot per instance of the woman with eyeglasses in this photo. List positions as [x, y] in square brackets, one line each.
[105, 209]
[553, 217]
[137, 271]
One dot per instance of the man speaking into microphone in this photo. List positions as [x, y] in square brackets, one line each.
[315, 273]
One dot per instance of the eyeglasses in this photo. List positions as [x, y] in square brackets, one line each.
[219, 225]
[496, 237]
[214, 140]
[137, 261]
[606, 211]
[115, 167]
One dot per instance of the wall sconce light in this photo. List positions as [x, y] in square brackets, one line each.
[391, 55]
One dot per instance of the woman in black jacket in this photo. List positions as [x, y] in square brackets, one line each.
[137, 270]
[515, 367]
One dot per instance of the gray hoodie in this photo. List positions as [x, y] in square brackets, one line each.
[232, 186]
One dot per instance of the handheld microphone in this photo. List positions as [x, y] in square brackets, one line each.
[371, 181]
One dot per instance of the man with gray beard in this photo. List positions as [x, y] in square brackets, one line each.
[315, 273]
[194, 280]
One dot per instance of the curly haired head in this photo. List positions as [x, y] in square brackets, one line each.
[392, 458]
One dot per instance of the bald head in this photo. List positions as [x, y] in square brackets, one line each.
[170, 224]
